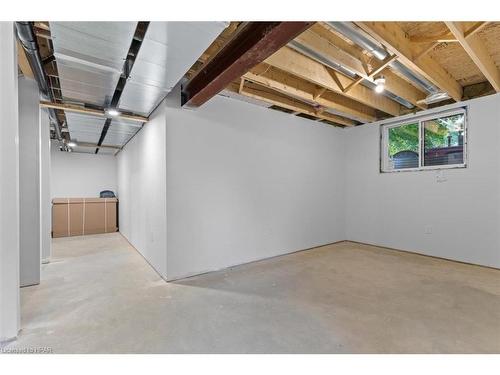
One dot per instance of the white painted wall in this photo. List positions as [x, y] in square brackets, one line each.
[45, 199]
[142, 191]
[393, 209]
[29, 181]
[9, 186]
[78, 175]
[246, 183]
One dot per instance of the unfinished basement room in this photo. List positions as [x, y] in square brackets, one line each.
[265, 187]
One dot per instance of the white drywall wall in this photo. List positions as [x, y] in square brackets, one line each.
[45, 200]
[10, 316]
[141, 191]
[247, 183]
[79, 175]
[397, 209]
[29, 181]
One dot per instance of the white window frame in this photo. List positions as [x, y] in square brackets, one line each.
[384, 141]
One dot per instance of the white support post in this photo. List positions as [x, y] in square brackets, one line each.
[45, 202]
[9, 186]
[29, 181]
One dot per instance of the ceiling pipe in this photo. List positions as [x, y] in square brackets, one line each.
[30, 45]
[357, 36]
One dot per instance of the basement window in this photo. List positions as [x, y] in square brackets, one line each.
[436, 141]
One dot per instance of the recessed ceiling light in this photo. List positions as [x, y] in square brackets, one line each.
[112, 112]
[380, 84]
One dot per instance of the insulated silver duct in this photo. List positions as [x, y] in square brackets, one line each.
[28, 41]
[357, 36]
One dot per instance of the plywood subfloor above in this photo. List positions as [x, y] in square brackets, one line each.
[455, 61]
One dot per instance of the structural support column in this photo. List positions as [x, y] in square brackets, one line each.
[45, 203]
[29, 181]
[9, 186]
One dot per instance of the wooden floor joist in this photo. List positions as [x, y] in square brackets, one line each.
[391, 36]
[260, 93]
[303, 90]
[299, 65]
[477, 51]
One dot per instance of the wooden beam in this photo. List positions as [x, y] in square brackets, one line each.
[242, 83]
[325, 31]
[90, 111]
[253, 44]
[397, 42]
[306, 68]
[260, 93]
[321, 39]
[353, 84]
[278, 80]
[477, 26]
[382, 66]
[22, 61]
[477, 51]
[94, 145]
[318, 92]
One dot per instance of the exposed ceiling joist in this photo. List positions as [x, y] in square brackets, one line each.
[303, 90]
[322, 46]
[89, 111]
[253, 44]
[477, 51]
[306, 68]
[474, 27]
[260, 93]
[323, 41]
[392, 36]
[327, 32]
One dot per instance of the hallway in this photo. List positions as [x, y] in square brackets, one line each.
[99, 295]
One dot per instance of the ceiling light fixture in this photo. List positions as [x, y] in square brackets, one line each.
[112, 112]
[71, 144]
[380, 84]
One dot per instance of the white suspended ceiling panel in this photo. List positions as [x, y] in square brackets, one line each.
[84, 128]
[168, 51]
[90, 57]
[88, 128]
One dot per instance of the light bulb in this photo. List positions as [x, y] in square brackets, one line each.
[112, 112]
[379, 88]
[380, 84]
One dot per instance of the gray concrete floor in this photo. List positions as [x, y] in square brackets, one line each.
[98, 295]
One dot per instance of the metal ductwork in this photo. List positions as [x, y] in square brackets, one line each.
[357, 36]
[29, 43]
[349, 30]
[332, 64]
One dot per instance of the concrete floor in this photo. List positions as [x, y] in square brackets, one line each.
[98, 295]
